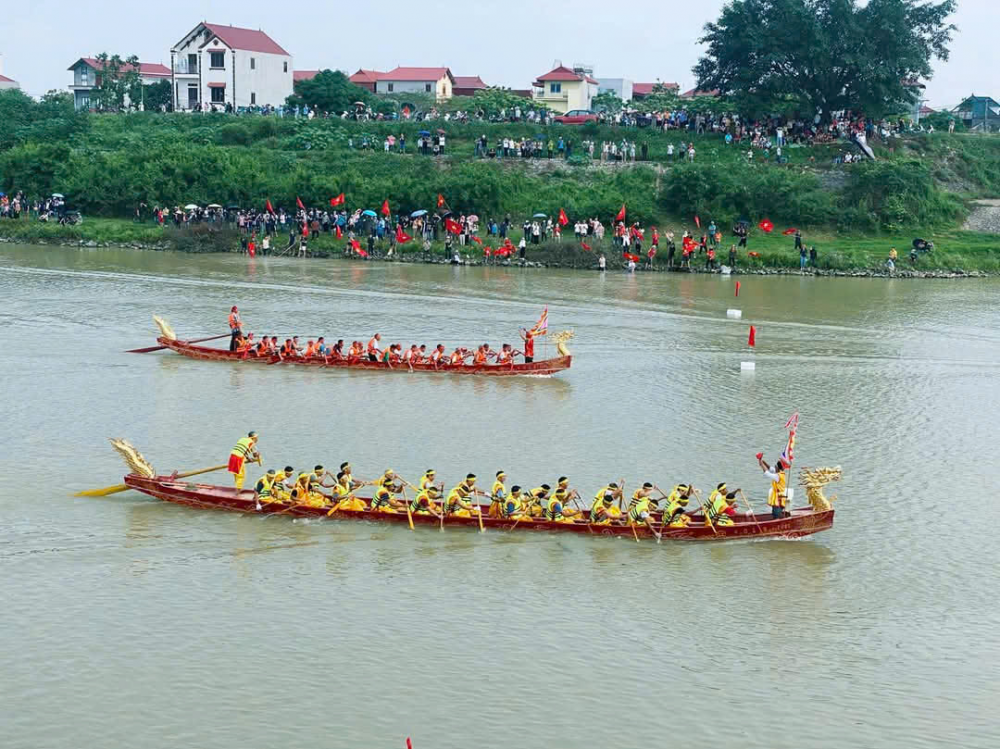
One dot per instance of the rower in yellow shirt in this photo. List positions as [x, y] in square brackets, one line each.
[424, 502]
[343, 494]
[497, 495]
[386, 489]
[673, 514]
[641, 514]
[282, 484]
[603, 510]
[458, 502]
[427, 480]
[243, 452]
[564, 495]
[513, 507]
[538, 498]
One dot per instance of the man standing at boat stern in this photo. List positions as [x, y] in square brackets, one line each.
[235, 327]
[777, 497]
[245, 449]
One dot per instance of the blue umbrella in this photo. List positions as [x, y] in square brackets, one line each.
[424, 132]
[3, 195]
[368, 213]
[418, 214]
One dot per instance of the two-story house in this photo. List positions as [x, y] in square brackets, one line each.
[438, 82]
[87, 72]
[214, 66]
[564, 89]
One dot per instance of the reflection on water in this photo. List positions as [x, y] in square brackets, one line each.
[163, 626]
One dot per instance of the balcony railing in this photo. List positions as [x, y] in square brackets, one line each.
[181, 67]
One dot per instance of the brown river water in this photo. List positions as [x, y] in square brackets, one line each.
[131, 623]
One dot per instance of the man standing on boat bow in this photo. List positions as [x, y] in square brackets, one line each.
[244, 450]
[235, 327]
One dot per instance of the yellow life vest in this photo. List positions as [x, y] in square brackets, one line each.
[512, 505]
[636, 511]
[263, 487]
[717, 504]
[457, 495]
[778, 496]
[499, 491]
[243, 448]
[382, 497]
[553, 508]
[422, 502]
[425, 481]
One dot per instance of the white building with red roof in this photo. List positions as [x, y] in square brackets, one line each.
[87, 72]
[565, 89]
[438, 82]
[215, 66]
[5, 82]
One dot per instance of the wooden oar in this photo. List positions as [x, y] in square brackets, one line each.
[158, 348]
[706, 511]
[409, 515]
[122, 487]
[747, 502]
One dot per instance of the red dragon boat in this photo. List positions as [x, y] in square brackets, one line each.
[801, 522]
[538, 368]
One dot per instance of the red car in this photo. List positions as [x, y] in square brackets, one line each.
[575, 117]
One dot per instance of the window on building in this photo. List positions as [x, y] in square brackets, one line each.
[253, 98]
[555, 88]
[218, 60]
[286, 66]
[84, 76]
[390, 88]
[192, 63]
[253, 63]
[218, 95]
[427, 87]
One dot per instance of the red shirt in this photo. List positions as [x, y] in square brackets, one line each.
[529, 346]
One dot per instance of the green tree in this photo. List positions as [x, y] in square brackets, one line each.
[156, 96]
[660, 99]
[607, 101]
[827, 54]
[493, 100]
[118, 82]
[328, 91]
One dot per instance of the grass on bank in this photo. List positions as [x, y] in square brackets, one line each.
[954, 249]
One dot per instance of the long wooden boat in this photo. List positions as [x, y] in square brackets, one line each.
[543, 367]
[801, 522]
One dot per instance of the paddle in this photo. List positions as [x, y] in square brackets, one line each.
[122, 487]
[747, 501]
[706, 511]
[158, 348]
[409, 515]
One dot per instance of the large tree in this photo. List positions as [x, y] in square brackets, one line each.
[328, 91]
[823, 55]
[118, 82]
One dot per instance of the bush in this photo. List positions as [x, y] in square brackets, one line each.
[203, 237]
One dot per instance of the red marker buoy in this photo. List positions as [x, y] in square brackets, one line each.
[737, 288]
[752, 340]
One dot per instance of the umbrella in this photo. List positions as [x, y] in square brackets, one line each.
[214, 205]
[440, 131]
[359, 104]
[418, 214]
[3, 195]
[190, 207]
[424, 132]
[391, 139]
[368, 213]
[473, 217]
[58, 195]
[539, 215]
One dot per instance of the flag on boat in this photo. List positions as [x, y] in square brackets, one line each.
[542, 326]
[339, 200]
[787, 455]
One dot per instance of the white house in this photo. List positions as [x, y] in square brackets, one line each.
[436, 81]
[216, 65]
[6, 82]
[87, 73]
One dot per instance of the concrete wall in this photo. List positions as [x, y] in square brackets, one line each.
[620, 87]
[442, 89]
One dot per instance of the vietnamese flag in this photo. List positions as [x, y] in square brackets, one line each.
[453, 226]
[621, 214]
[630, 256]
[697, 222]
[766, 226]
[268, 207]
[298, 202]
[477, 240]
[440, 200]
[563, 218]
[789, 232]
[339, 232]
[401, 236]
[585, 246]
[385, 207]
[752, 340]
[305, 230]
[737, 288]
[339, 200]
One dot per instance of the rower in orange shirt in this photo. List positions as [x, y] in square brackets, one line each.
[480, 358]
[458, 357]
[438, 356]
[373, 350]
[310, 349]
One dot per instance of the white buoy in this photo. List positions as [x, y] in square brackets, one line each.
[748, 366]
[734, 314]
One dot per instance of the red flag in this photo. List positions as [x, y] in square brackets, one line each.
[363, 253]
[252, 249]
[268, 207]
[752, 340]
[440, 200]
[753, 254]
[298, 202]
[477, 240]
[305, 230]
[453, 226]
[789, 232]
[409, 744]
[585, 246]
[563, 218]
[766, 226]
[401, 236]
[339, 232]
[697, 222]
[355, 245]
[737, 288]
[339, 200]
[621, 214]
[385, 208]
[630, 256]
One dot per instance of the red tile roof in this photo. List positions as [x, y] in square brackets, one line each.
[416, 74]
[925, 110]
[246, 39]
[469, 81]
[695, 92]
[645, 89]
[304, 75]
[365, 76]
[5, 79]
[562, 73]
[145, 68]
